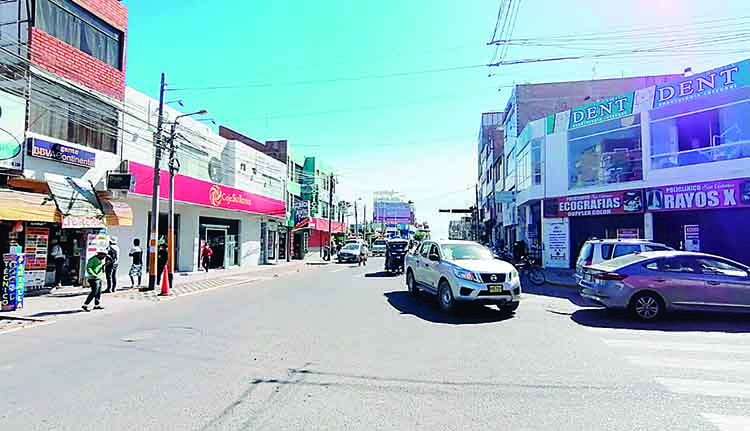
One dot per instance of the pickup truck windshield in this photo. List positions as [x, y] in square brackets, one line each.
[465, 252]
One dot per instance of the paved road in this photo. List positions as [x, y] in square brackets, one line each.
[341, 347]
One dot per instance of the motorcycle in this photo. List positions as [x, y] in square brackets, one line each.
[395, 252]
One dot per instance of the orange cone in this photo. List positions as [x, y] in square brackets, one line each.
[164, 283]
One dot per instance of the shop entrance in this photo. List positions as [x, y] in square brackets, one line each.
[216, 238]
[222, 235]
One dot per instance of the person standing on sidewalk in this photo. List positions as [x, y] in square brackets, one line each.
[112, 264]
[136, 263]
[162, 256]
[206, 254]
[58, 256]
[94, 275]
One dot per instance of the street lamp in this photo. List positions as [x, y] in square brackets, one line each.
[174, 167]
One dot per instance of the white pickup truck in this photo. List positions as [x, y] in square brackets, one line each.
[458, 271]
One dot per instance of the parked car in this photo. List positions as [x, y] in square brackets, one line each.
[651, 283]
[351, 252]
[596, 251]
[378, 247]
[462, 271]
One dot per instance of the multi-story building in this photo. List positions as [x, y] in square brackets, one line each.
[522, 164]
[318, 187]
[394, 213]
[61, 94]
[228, 194]
[667, 162]
[490, 161]
[462, 229]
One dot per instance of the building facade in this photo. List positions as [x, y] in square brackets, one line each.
[522, 165]
[668, 162]
[489, 163]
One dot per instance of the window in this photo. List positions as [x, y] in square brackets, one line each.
[529, 171]
[606, 157]
[434, 250]
[243, 167]
[466, 252]
[650, 247]
[679, 264]
[623, 249]
[510, 170]
[701, 137]
[65, 114]
[607, 251]
[80, 29]
[536, 161]
[652, 266]
[425, 249]
[720, 267]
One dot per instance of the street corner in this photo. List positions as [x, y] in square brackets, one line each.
[11, 324]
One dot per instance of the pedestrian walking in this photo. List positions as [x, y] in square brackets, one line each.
[206, 254]
[161, 259]
[362, 255]
[113, 251]
[136, 263]
[58, 257]
[94, 274]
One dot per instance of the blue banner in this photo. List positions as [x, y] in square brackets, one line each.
[61, 153]
[12, 286]
[703, 84]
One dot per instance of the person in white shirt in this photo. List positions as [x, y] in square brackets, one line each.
[58, 257]
[136, 264]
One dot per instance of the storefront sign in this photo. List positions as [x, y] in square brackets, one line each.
[708, 195]
[628, 233]
[703, 84]
[301, 211]
[12, 122]
[61, 153]
[622, 202]
[692, 236]
[602, 110]
[195, 191]
[557, 240]
[322, 224]
[82, 222]
[12, 286]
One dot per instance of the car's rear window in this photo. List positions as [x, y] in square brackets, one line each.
[587, 252]
[379, 242]
[607, 251]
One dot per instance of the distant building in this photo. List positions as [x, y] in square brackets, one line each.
[461, 229]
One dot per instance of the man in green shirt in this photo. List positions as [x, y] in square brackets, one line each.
[94, 275]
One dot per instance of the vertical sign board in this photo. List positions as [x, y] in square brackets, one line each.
[556, 243]
[36, 249]
[692, 237]
[12, 286]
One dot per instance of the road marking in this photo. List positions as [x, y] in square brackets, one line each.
[728, 423]
[689, 363]
[710, 388]
[676, 346]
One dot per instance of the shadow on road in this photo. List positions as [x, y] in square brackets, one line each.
[673, 322]
[557, 292]
[425, 307]
[56, 313]
[382, 274]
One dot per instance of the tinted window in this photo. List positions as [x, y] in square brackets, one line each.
[425, 249]
[650, 247]
[653, 266]
[716, 266]
[623, 249]
[607, 251]
[434, 250]
[679, 264]
[619, 262]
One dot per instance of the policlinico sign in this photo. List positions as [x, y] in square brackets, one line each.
[733, 193]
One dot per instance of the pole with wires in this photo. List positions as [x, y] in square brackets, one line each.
[154, 233]
[330, 216]
[174, 167]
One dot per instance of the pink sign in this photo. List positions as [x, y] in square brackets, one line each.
[709, 195]
[195, 191]
[322, 224]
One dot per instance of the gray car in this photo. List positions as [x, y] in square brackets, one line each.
[651, 283]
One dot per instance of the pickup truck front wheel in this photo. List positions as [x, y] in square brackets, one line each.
[445, 297]
[411, 284]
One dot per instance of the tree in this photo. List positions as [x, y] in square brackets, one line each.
[419, 236]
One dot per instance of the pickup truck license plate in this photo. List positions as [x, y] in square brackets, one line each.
[496, 288]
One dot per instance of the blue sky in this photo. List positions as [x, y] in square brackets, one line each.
[415, 133]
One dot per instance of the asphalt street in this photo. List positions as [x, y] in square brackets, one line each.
[341, 347]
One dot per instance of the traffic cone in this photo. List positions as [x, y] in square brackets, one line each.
[164, 283]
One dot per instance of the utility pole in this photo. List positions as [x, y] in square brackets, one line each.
[154, 234]
[356, 222]
[476, 226]
[330, 216]
[174, 167]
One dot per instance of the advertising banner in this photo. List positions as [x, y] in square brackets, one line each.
[392, 212]
[12, 286]
[12, 124]
[61, 153]
[628, 233]
[703, 84]
[322, 225]
[608, 203]
[556, 240]
[36, 249]
[192, 190]
[692, 237]
[733, 193]
[601, 110]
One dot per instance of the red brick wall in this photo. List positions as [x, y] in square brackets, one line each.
[68, 62]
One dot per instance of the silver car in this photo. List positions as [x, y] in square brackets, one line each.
[462, 271]
[651, 283]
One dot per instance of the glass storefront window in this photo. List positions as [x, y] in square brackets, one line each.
[701, 137]
[608, 157]
[536, 161]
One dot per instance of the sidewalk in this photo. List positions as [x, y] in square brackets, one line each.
[561, 277]
[44, 309]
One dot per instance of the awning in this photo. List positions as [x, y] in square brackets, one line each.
[116, 213]
[77, 202]
[17, 205]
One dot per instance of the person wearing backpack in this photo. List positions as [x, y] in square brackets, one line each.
[113, 251]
